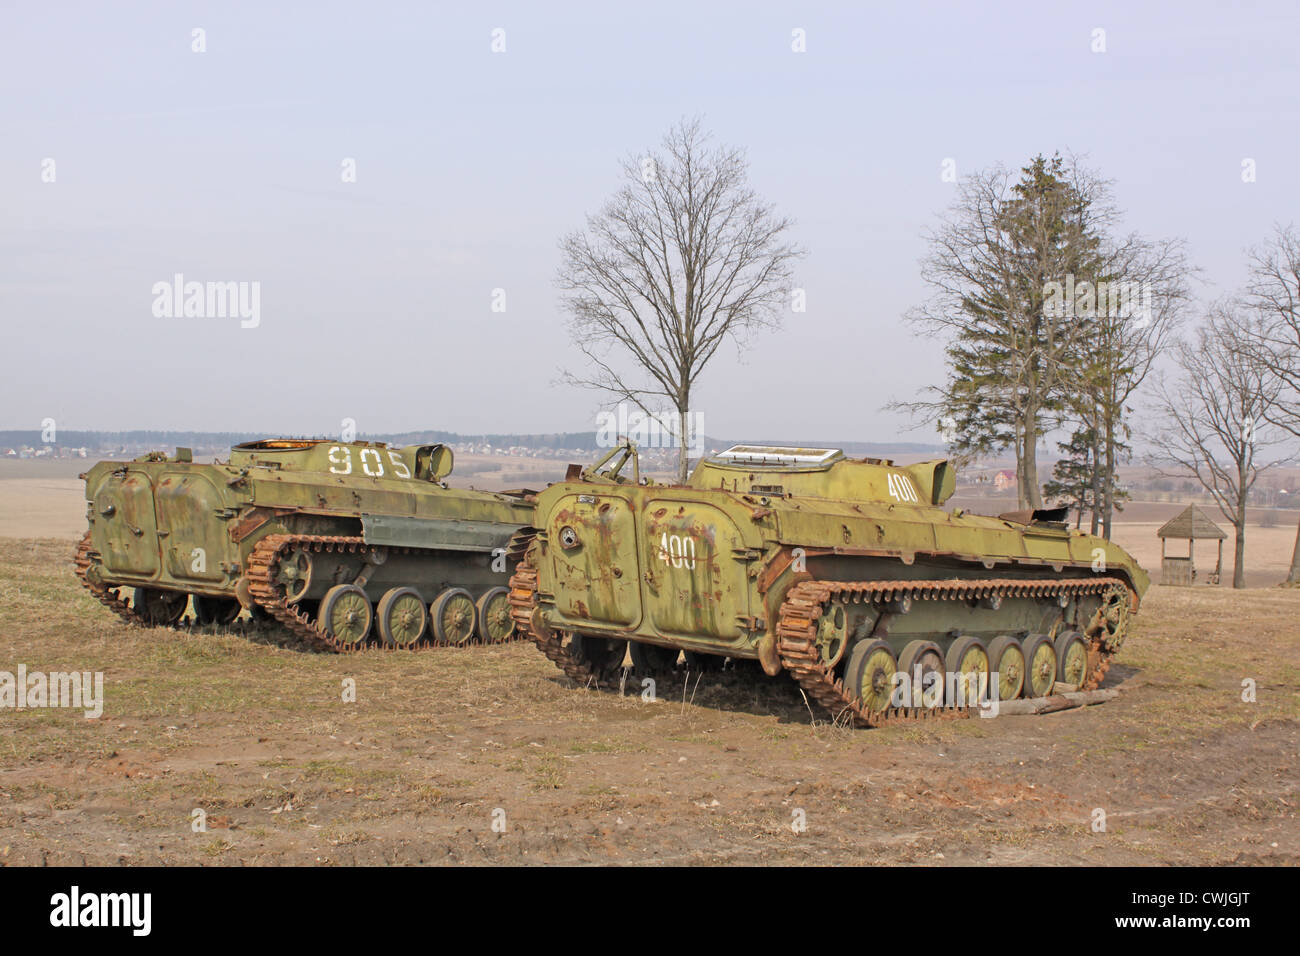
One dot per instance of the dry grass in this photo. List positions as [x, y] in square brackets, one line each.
[259, 738]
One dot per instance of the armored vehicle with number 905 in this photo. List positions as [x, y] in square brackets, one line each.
[846, 574]
[346, 544]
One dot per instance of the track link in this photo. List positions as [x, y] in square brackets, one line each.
[805, 602]
[85, 556]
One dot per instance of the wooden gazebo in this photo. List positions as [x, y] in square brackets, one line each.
[1192, 523]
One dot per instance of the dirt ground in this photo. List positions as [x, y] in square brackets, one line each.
[440, 745]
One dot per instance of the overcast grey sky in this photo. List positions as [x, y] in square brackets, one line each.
[376, 295]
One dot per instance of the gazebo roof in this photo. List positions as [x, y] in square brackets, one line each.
[1191, 523]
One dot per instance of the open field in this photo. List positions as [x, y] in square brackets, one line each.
[259, 738]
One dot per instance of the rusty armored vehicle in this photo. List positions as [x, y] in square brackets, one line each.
[847, 574]
[344, 543]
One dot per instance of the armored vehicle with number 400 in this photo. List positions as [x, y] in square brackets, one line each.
[338, 541]
[845, 574]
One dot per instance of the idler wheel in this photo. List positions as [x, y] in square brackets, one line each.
[454, 616]
[401, 617]
[293, 573]
[345, 613]
[832, 634]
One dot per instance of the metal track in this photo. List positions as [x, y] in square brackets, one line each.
[523, 602]
[86, 556]
[805, 602]
[265, 557]
[262, 562]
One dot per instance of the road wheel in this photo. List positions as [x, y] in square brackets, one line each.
[968, 663]
[495, 625]
[345, 614]
[1072, 657]
[927, 682]
[651, 659]
[454, 615]
[602, 655]
[160, 608]
[1040, 665]
[401, 617]
[1007, 660]
[215, 610]
[869, 675]
[698, 663]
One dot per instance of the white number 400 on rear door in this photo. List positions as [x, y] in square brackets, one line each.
[677, 550]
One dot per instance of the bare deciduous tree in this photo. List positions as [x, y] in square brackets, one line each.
[1216, 417]
[1274, 290]
[684, 257]
[1118, 350]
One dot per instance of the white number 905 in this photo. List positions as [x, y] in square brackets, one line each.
[372, 463]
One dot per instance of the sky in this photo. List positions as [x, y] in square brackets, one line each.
[128, 157]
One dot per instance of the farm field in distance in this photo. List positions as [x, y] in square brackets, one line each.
[258, 737]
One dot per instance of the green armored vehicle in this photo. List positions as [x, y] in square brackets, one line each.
[335, 540]
[847, 574]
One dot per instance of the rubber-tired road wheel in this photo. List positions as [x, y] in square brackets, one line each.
[495, 624]
[651, 659]
[926, 656]
[160, 608]
[1040, 665]
[602, 655]
[968, 667]
[401, 617]
[1072, 658]
[698, 663]
[345, 613]
[1007, 661]
[215, 610]
[454, 616]
[869, 675]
